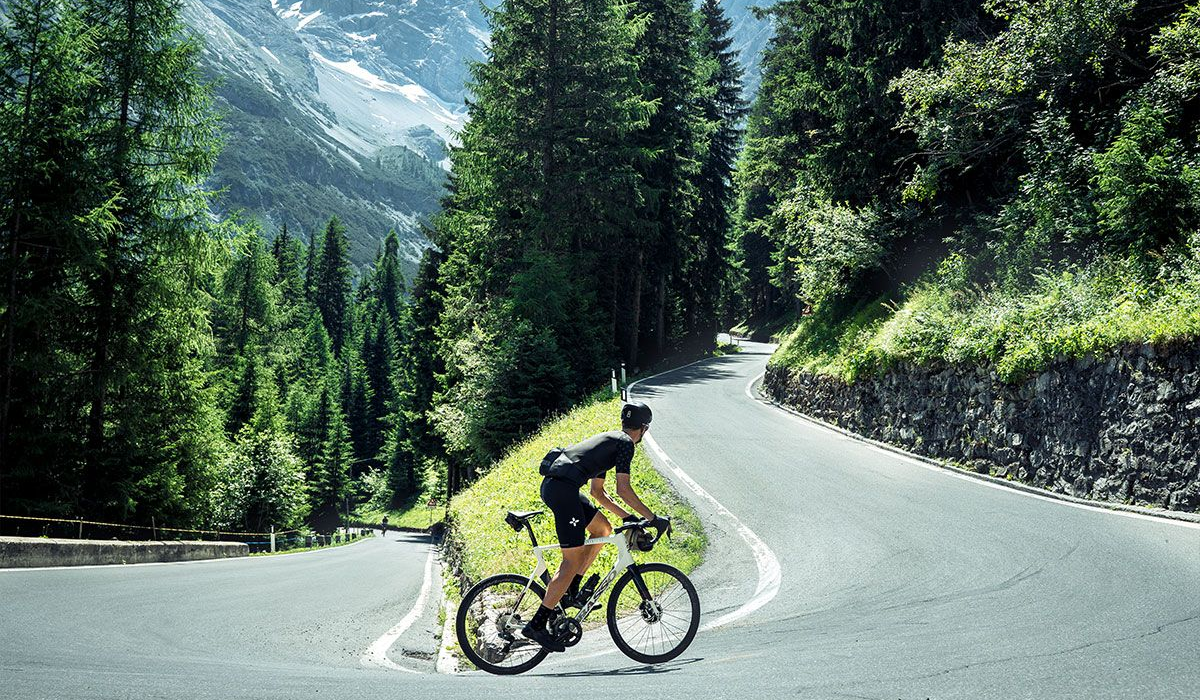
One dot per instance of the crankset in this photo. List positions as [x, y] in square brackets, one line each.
[567, 631]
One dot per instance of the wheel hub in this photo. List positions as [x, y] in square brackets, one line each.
[506, 624]
[651, 611]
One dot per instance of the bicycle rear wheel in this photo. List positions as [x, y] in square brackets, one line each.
[489, 624]
[656, 621]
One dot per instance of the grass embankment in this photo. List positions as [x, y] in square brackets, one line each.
[297, 550]
[1080, 309]
[412, 513]
[489, 546]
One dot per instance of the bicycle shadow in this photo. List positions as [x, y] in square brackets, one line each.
[653, 669]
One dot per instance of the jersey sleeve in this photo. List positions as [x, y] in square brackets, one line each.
[624, 456]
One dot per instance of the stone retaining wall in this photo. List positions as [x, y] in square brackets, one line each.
[41, 551]
[1125, 428]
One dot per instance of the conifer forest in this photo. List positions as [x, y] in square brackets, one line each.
[915, 180]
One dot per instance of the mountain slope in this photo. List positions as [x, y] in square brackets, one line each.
[338, 107]
[750, 37]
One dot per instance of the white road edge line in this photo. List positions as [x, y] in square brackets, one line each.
[376, 654]
[770, 575]
[947, 470]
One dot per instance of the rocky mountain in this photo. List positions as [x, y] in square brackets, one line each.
[338, 106]
[345, 106]
[750, 37]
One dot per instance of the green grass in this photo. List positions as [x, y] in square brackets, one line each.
[490, 546]
[774, 328]
[1076, 310]
[295, 550]
[412, 513]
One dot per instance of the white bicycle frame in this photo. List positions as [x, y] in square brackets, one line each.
[624, 561]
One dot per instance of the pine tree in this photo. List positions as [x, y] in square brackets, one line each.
[377, 392]
[254, 400]
[412, 437]
[704, 281]
[139, 138]
[248, 314]
[48, 186]
[312, 254]
[542, 187]
[323, 440]
[667, 70]
[331, 286]
[389, 280]
[288, 253]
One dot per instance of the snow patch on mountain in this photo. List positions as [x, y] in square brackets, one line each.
[306, 20]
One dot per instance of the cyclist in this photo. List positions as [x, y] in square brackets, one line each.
[574, 512]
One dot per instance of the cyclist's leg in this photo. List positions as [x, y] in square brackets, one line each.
[599, 526]
[572, 559]
[570, 521]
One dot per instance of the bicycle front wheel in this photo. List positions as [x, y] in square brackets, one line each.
[655, 621]
[489, 624]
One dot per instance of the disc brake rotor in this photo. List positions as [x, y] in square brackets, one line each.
[651, 610]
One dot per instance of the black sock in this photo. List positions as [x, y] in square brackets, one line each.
[541, 617]
[574, 587]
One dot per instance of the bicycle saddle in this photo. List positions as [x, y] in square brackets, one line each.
[516, 519]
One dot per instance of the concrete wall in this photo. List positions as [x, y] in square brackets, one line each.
[1123, 428]
[40, 551]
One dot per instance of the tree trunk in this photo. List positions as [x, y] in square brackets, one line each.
[549, 116]
[660, 316]
[635, 313]
[14, 246]
[106, 295]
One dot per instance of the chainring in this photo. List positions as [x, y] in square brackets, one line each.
[567, 631]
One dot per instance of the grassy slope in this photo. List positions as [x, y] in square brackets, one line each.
[412, 513]
[1075, 311]
[490, 546]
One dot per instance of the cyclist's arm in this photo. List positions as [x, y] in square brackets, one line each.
[626, 493]
[601, 496]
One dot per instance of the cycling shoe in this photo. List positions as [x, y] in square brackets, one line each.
[543, 637]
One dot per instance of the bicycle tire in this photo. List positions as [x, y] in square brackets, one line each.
[536, 592]
[693, 623]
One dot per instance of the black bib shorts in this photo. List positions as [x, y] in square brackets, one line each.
[572, 511]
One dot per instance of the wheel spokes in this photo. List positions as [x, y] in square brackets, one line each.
[494, 621]
[657, 625]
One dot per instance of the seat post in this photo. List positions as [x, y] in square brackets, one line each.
[529, 526]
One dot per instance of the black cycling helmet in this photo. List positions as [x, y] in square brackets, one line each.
[635, 414]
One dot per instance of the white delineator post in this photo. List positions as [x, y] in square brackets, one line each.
[272, 538]
[614, 382]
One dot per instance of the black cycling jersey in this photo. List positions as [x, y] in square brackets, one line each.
[595, 456]
[592, 458]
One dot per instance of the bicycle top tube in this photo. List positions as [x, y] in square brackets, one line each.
[609, 539]
[624, 557]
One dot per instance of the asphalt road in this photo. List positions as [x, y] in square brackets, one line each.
[895, 580]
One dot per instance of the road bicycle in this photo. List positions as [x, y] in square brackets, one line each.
[652, 613]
